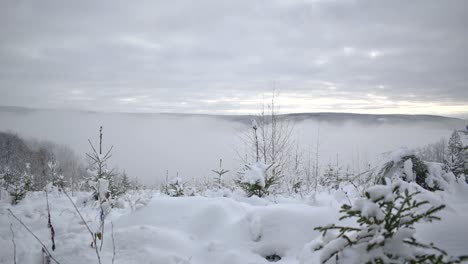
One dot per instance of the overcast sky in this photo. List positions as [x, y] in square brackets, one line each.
[223, 57]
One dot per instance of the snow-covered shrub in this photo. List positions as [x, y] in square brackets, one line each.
[176, 187]
[58, 179]
[255, 180]
[454, 158]
[134, 199]
[404, 164]
[219, 174]
[98, 167]
[385, 229]
[16, 184]
[120, 185]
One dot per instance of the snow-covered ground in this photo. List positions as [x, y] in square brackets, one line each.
[154, 228]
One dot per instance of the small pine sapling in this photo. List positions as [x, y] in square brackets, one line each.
[220, 172]
[454, 158]
[16, 184]
[99, 165]
[58, 180]
[176, 187]
[255, 180]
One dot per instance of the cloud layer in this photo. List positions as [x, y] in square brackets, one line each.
[214, 56]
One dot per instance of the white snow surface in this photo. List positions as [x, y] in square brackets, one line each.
[154, 228]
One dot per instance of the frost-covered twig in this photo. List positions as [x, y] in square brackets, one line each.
[44, 248]
[113, 242]
[14, 243]
[87, 227]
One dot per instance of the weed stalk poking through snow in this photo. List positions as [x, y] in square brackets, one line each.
[93, 237]
[44, 248]
[113, 242]
[13, 241]
[49, 222]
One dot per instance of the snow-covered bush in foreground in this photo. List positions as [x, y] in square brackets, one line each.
[385, 230]
[405, 165]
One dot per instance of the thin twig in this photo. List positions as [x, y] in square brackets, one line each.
[89, 229]
[13, 241]
[91, 144]
[113, 242]
[38, 240]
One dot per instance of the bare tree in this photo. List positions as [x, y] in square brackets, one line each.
[435, 152]
[270, 141]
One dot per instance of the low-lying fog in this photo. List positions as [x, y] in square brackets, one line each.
[146, 145]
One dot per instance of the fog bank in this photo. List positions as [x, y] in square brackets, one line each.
[146, 145]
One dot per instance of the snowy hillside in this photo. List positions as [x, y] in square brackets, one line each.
[154, 228]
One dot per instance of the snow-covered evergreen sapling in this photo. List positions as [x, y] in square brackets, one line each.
[58, 180]
[16, 183]
[176, 187]
[124, 184]
[454, 158]
[385, 229]
[99, 166]
[220, 172]
[255, 180]
[120, 185]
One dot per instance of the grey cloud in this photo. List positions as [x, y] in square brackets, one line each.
[185, 55]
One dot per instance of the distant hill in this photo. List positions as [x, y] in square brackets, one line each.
[331, 117]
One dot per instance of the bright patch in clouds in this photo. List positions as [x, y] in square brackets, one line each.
[374, 54]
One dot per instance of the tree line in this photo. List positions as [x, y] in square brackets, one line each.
[30, 165]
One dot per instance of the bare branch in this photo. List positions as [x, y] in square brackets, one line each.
[87, 227]
[44, 248]
[91, 144]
